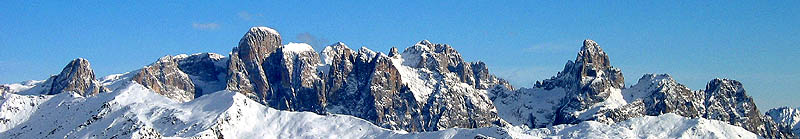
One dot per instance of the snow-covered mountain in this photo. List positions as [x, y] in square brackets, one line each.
[134, 111]
[590, 89]
[268, 89]
[788, 117]
[426, 88]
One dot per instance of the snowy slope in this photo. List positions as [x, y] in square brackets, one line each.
[663, 126]
[530, 107]
[133, 111]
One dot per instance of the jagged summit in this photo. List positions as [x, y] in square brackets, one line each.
[335, 50]
[245, 68]
[424, 42]
[393, 52]
[427, 46]
[655, 78]
[257, 43]
[338, 44]
[426, 87]
[787, 116]
[724, 83]
[77, 77]
[593, 56]
[591, 89]
[263, 29]
[166, 78]
[591, 66]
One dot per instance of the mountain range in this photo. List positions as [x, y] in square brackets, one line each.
[267, 89]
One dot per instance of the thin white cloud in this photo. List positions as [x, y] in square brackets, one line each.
[244, 15]
[550, 47]
[205, 26]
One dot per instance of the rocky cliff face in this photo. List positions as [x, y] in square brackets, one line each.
[294, 78]
[590, 89]
[283, 77]
[184, 77]
[723, 100]
[588, 81]
[208, 71]
[76, 77]
[726, 100]
[245, 71]
[165, 78]
[427, 87]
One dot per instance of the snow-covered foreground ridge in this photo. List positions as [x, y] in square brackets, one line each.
[133, 111]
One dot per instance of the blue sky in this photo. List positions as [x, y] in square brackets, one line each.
[522, 41]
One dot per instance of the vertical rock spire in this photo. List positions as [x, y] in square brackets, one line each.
[588, 80]
[245, 70]
[77, 77]
[166, 78]
[592, 58]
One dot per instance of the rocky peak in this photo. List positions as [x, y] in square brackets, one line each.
[334, 51]
[166, 78]
[258, 43]
[660, 94]
[393, 52]
[726, 100]
[245, 71]
[656, 80]
[424, 43]
[587, 81]
[591, 64]
[435, 57]
[591, 55]
[77, 77]
[718, 86]
[365, 54]
[789, 118]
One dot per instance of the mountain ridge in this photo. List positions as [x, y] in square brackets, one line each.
[426, 87]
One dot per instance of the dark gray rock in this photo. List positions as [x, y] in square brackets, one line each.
[372, 86]
[294, 79]
[4, 89]
[261, 68]
[208, 71]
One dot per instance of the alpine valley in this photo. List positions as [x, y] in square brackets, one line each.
[265, 88]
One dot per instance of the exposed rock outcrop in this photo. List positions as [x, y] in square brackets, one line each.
[245, 71]
[726, 100]
[426, 87]
[208, 71]
[589, 80]
[590, 89]
[165, 78]
[76, 77]
[788, 118]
